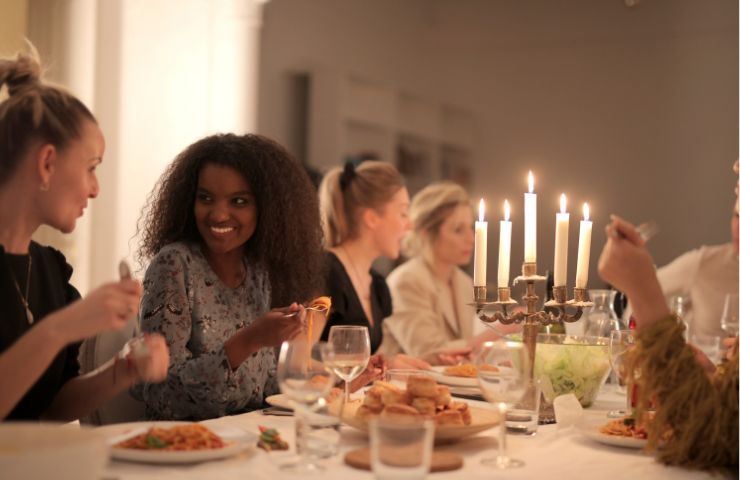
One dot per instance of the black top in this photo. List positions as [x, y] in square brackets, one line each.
[49, 290]
[346, 308]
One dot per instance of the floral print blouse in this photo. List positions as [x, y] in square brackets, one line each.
[186, 302]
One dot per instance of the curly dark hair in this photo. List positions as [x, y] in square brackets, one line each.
[287, 241]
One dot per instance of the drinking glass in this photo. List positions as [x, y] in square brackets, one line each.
[729, 321]
[401, 450]
[620, 343]
[709, 344]
[351, 352]
[504, 376]
[304, 378]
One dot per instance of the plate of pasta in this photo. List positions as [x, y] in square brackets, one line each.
[620, 432]
[175, 442]
[462, 375]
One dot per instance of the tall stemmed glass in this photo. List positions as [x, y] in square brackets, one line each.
[729, 321]
[620, 343]
[351, 345]
[503, 375]
[305, 379]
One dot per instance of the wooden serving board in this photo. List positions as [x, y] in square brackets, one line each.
[441, 461]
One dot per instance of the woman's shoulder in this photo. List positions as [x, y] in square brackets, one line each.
[413, 271]
[51, 257]
[173, 257]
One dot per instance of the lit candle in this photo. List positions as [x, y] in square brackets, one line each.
[481, 248]
[504, 248]
[562, 221]
[584, 249]
[530, 223]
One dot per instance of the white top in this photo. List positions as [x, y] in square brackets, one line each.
[706, 275]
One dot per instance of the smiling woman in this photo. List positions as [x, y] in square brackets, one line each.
[50, 147]
[232, 229]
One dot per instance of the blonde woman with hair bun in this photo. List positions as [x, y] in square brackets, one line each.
[364, 212]
[432, 318]
[50, 148]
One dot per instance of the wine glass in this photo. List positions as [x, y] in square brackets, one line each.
[503, 376]
[351, 346]
[305, 379]
[620, 343]
[729, 321]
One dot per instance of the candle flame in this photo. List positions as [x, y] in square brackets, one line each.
[481, 210]
[585, 211]
[507, 210]
[562, 203]
[531, 182]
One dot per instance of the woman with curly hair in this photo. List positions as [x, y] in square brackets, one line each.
[232, 229]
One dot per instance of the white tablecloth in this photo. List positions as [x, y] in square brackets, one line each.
[551, 453]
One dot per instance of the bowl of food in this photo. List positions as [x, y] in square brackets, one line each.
[411, 397]
[67, 452]
[571, 364]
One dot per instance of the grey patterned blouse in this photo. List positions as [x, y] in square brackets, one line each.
[185, 301]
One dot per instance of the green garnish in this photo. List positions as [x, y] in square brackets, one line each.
[155, 442]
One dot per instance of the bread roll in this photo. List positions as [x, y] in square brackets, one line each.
[443, 397]
[401, 413]
[425, 406]
[421, 386]
[449, 417]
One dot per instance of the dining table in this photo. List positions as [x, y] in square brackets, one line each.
[553, 452]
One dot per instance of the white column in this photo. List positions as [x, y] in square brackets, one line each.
[64, 33]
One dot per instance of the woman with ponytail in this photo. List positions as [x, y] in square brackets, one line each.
[50, 147]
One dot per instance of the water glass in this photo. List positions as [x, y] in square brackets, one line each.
[709, 344]
[317, 434]
[504, 379]
[304, 378]
[729, 320]
[523, 418]
[620, 343]
[401, 451]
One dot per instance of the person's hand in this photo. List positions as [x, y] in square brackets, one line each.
[627, 265]
[375, 370]
[704, 362]
[730, 345]
[403, 361]
[449, 356]
[151, 358]
[278, 325]
[108, 307]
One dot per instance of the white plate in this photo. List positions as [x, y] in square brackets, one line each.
[280, 400]
[238, 440]
[451, 380]
[591, 430]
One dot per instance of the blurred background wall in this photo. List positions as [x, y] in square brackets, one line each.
[633, 109]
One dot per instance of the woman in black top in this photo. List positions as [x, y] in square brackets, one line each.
[346, 308]
[50, 147]
[364, 211]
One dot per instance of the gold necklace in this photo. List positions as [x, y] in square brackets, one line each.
[24, 298]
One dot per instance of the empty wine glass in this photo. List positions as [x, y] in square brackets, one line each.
[304, 378]
[503, 376]
[351, 347]
[620, 343]
[729, 320]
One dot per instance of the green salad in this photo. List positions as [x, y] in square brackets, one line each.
[575, 368]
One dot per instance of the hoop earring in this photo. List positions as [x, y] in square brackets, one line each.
[44, 187]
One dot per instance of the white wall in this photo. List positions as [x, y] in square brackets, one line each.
[632, 109]
[163, 74]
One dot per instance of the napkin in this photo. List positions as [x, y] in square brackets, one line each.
[568, 410]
